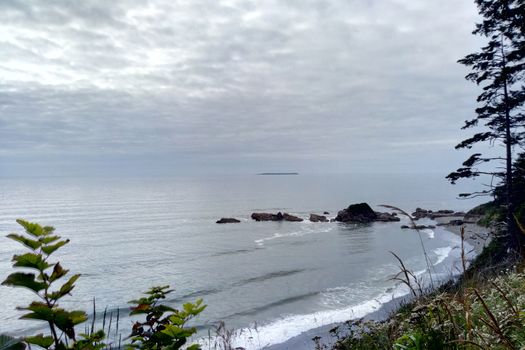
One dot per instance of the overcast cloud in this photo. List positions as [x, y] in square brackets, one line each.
[233, 86]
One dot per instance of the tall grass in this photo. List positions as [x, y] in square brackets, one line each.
[481, 311]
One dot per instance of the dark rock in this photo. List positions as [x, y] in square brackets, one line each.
[318, 218]
[288, 217]
[360, 213]
[326, 213]
[404, 227]
[386, 217]
[456, 222]
[424, 213]
[228, 221]
[420, 213]
[275, 217]
[445, 211]
[267, 216]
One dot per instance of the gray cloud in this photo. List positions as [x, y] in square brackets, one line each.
[339, 86]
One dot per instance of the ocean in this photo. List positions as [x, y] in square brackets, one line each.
[269, 281]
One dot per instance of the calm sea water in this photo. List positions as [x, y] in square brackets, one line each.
[133, 233]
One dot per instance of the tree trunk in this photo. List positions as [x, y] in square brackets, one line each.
[515, 239]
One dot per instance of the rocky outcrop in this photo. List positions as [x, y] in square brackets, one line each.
[359, 213]
[326, 213]
[424, 213]
[288, 217]
[421, 213]
[362, 213]
[267, 217]
[386, 217]
[318, 218]
[228, 221]
[275, 217]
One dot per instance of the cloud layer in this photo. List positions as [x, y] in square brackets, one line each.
[364, 85]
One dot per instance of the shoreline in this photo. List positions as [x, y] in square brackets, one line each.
[475, 235]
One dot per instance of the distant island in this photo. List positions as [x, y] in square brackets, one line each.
[265, 174]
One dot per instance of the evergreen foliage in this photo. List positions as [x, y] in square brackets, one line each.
[499, 68]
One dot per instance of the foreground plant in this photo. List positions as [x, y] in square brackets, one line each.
[42, 243]
[488, 316]
[164, 327]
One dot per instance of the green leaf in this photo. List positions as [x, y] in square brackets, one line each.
[177, 320]
[67, 320]
[177, 332]
[31, 244]
[39, 311]
[49, 249]
[40, 340]
[58, 272]
[65, 289]
[194, 347]
[33, 229]
[27, 280]
[48, 239]
[165, 308]
[49, 229]
[194, 309]
[10, 343]
[30, 260]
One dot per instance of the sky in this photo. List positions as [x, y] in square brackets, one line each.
[230, 86]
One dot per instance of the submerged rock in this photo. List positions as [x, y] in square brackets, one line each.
[318, 218]
[228, 221]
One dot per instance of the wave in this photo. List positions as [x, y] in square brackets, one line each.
[288, 327]
[199, 293]
[429, 232]
[268, 276]
[233, 252]
[281, 302]
[303, 232]
[442, 254]
[281, 330]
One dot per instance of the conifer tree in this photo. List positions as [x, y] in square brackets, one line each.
[499, 68]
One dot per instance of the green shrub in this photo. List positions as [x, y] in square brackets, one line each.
[42, 243]
[164, 327]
